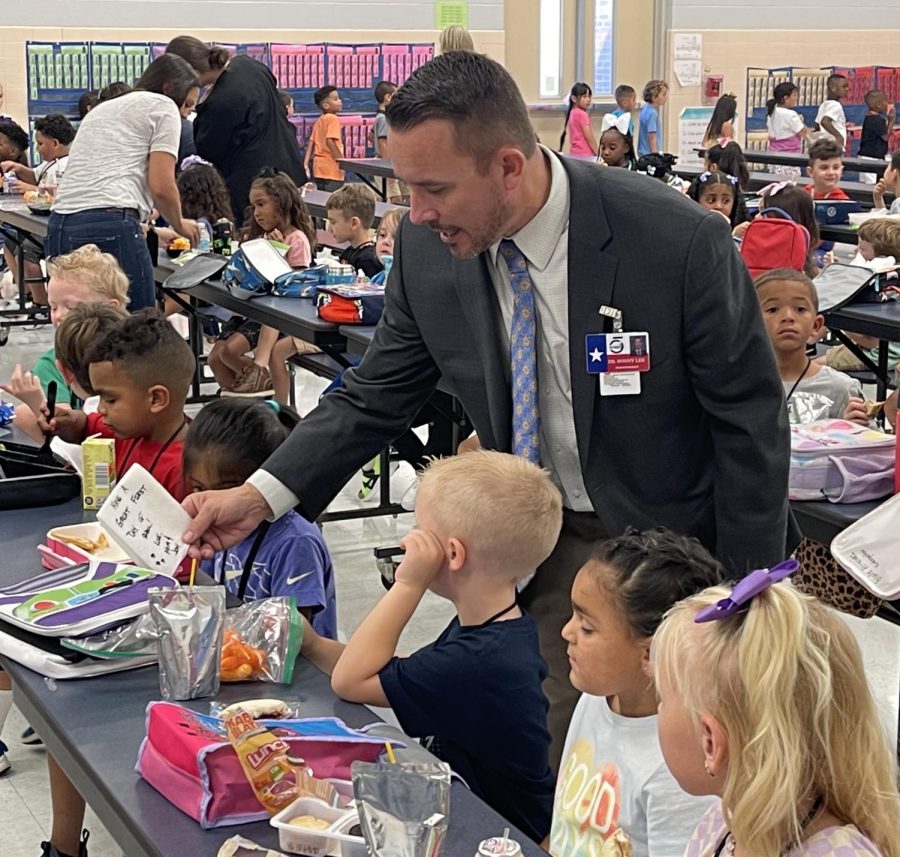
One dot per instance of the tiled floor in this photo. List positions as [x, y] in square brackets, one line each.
[25, 815]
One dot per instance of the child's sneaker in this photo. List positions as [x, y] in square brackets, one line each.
[370, 476]
[253, 381]
[31, 738]
[5, 764]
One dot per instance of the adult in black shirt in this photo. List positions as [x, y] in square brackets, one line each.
[241, 125]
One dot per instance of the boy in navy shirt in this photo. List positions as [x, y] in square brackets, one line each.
[485, 522]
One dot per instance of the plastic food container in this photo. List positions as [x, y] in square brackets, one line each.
[69, 553]
[318, 843]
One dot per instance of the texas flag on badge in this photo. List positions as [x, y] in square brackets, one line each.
[617, 352]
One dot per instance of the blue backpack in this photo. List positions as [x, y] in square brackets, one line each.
[243, 280]
[301, 284]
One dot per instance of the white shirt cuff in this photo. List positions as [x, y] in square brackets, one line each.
[279, 497]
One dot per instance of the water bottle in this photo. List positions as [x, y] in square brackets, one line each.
[204, 245]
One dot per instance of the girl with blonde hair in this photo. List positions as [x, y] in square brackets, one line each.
[764, 703]
[455, 38]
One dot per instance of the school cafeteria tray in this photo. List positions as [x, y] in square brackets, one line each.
[25, 483]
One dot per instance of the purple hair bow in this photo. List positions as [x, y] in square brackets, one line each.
[746, 590]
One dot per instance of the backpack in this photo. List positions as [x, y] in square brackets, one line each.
[771, 243]
[253, 269]
[840, 461]
[301, 284]
[838, 285]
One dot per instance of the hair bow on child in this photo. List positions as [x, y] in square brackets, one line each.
[705, 177]
[776, 187]
[193, 161]
[746, 590]
[620, 123]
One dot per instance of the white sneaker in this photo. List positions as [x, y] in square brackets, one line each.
[408, 500]
[5, 764]
[8, 288]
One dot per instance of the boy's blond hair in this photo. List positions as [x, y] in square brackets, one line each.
[504, 509]
[786, 682]
[78, 333]
[652, 89]
[100, 272]
[354, 200]
[883, 233]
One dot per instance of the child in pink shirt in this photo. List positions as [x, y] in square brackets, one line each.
[578, 122]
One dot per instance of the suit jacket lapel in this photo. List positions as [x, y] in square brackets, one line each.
[592, 276]
[479, 303]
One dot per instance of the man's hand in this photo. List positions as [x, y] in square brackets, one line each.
[423, 560]
[223, 518]
[26, 387]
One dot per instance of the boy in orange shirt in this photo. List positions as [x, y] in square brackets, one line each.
[325, 147]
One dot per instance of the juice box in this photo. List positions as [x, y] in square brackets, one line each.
[99, 457]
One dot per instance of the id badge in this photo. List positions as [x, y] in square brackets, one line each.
[617, 352]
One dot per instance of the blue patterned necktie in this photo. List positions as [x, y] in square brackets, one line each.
[526, 420]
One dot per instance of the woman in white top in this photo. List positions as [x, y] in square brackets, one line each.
[121, 165]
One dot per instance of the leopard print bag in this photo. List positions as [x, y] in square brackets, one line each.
[821, 575]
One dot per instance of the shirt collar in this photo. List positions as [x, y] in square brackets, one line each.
[538, 238]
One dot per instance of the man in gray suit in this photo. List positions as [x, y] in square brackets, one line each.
[698, 443]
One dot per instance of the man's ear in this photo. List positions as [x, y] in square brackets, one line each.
[159, 398]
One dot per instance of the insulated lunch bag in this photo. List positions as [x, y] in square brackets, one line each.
[840, 461]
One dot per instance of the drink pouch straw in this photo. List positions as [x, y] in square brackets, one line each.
[403, 808]
[189, 622]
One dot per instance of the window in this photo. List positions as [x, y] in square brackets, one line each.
[603, 47]
[550, 66]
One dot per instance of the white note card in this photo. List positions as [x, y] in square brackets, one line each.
[145, 521]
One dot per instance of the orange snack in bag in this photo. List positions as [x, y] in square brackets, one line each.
[240, 660]
[263, 756]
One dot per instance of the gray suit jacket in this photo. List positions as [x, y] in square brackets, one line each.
[704, 449]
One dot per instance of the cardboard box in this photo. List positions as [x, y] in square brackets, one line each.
[99, 456]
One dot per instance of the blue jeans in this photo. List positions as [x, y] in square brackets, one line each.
[117, 232]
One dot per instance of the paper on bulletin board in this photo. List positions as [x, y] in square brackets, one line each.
[446, 14]
[692, 123]
[687, 72]
[687, 46]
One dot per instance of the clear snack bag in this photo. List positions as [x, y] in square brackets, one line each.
[403, 808]
[189, 622]
[262, 640]
[134, 639]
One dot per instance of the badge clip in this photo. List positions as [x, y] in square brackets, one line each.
[615, 315]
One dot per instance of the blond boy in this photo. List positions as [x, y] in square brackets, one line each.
[485, 521]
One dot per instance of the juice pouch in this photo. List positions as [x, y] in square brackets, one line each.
[263, 756]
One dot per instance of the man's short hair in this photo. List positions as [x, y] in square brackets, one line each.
[824, 150]
[504, 509]
[354, 200]
[149, 351]
[56, 127]
[383, 89]
[791, 276]
[78, 333]
[883, 233]
[476, 95]
[623, 91]
[322, 93]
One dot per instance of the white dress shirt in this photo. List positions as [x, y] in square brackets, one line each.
[544, 241]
